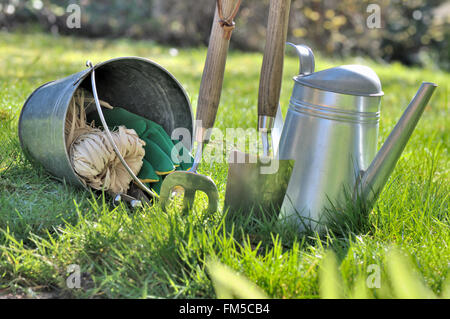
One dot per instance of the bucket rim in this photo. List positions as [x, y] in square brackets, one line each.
[100, 64]
[147, 60]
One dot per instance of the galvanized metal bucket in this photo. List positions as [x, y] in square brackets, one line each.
[139, 85]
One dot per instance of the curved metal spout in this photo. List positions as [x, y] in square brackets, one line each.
[376, 176]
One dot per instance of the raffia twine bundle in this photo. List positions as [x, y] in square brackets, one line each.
[92, 155]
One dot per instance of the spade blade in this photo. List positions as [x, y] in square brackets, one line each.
[256, 184]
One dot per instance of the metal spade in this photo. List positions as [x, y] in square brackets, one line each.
[260, 183]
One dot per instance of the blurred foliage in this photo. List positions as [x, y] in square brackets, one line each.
[399, 280]
[228, 284]
[413, 32]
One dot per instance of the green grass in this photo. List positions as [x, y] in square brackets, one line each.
[45, 226]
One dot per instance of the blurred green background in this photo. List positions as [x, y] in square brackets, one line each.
[414, 32]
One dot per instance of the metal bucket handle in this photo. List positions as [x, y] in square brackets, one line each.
[109, 135]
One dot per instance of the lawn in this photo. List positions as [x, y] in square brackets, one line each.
[46, 226]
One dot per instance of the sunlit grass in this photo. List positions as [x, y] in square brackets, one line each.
[45, 226]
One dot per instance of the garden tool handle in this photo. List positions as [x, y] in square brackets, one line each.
[272, 66]
[213, 73]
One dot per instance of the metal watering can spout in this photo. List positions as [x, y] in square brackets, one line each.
[375, 177]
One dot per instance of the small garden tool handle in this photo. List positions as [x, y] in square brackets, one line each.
[272, 66]
[109, 135]
[213, 73]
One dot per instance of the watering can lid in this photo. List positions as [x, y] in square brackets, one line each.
[345, 79]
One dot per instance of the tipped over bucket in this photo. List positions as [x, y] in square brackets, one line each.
[136, 84]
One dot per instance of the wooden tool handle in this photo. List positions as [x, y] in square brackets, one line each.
[272, 67]
[213, 73]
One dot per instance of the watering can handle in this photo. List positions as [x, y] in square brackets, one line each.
[109, 135]
[306, 56]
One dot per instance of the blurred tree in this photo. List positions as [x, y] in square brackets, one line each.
[411, 31]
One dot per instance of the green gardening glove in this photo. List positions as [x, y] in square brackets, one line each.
[147, 173]
[186, 159]
[158, 146]
[154, 154]
[154, 132]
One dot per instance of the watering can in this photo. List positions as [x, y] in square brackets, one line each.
[331, 132]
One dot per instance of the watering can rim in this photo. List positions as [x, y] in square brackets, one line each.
[349, 79]
[328, 90]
